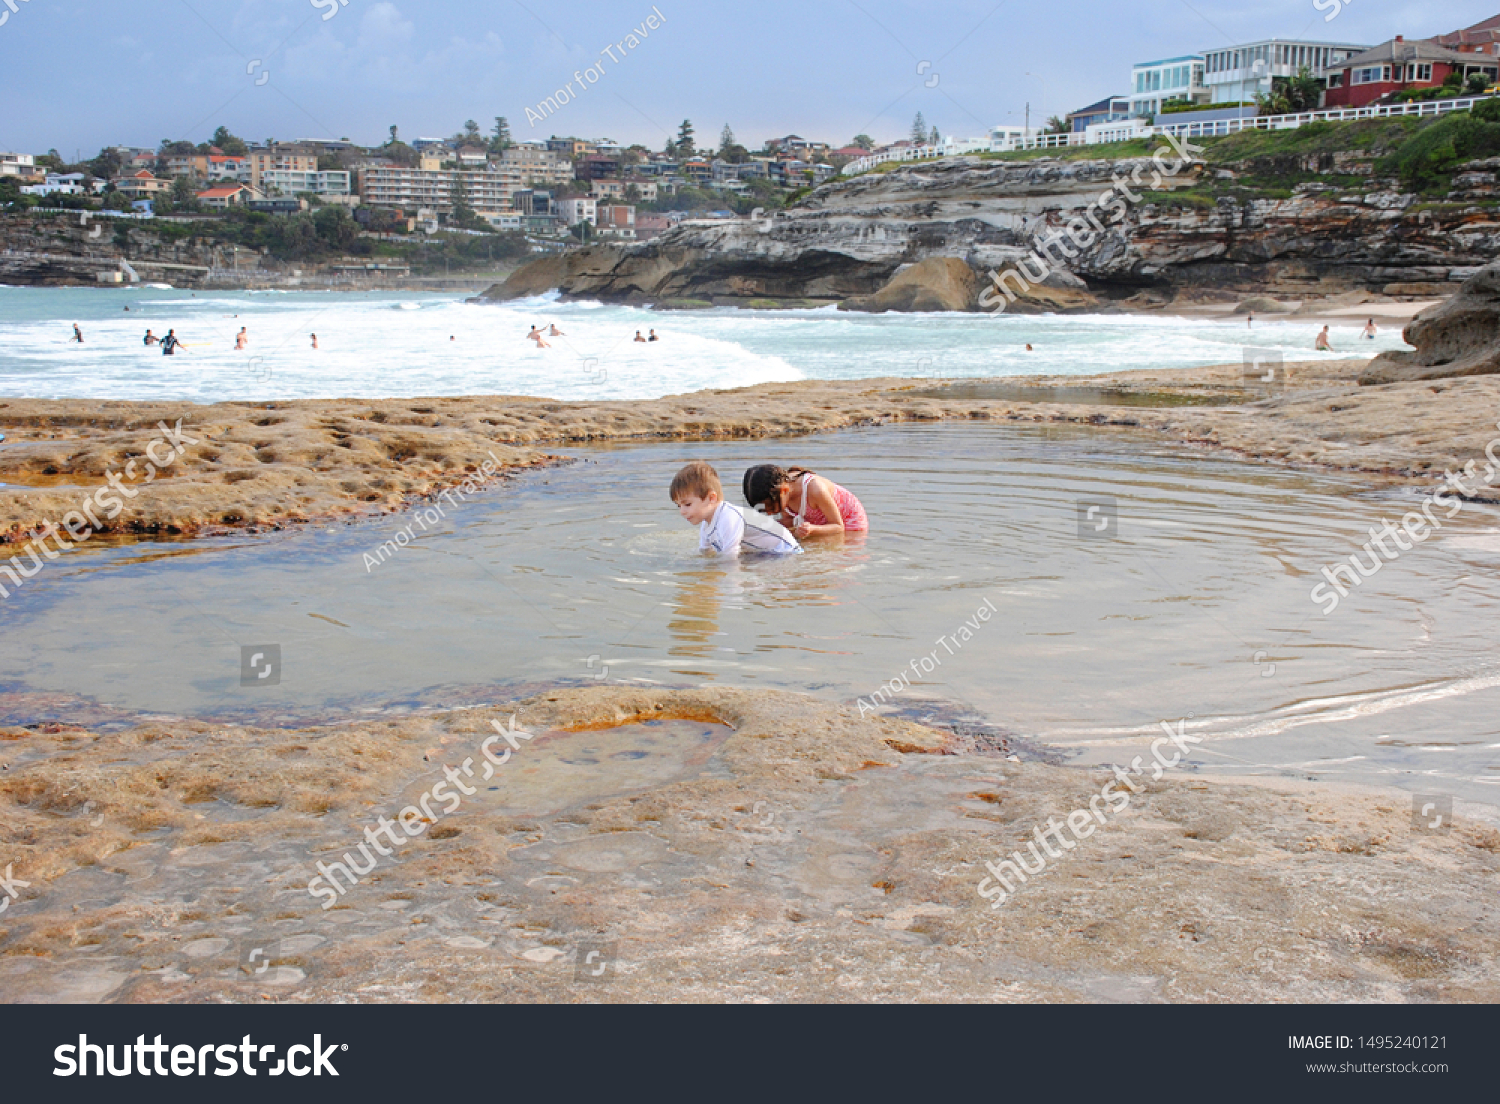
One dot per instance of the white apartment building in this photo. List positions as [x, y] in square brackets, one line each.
[1235, 74]
[490, 192]
[1153, 83]
[574, 211]
[329, 185]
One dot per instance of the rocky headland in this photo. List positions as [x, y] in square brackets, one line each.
[928, 236]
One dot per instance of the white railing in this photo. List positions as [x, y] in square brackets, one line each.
[1189, 129]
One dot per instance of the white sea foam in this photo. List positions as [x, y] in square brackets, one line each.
[398, 344]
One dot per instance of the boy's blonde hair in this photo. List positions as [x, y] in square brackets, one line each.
[697, 479]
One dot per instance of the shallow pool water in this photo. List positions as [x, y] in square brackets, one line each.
[1066, 586]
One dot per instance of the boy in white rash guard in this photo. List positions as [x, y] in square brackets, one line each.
[723, 527]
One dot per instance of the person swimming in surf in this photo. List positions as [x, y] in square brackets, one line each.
[1369, 330]
[241, 338]
[536, 335]
[169, 344]
[638, 336]
[150, 339]
[1321, 344]
[77, 334]
[555, 332]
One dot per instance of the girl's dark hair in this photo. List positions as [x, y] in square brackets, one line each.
[762, 480]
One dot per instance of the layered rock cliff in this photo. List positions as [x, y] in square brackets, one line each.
[1164, 235]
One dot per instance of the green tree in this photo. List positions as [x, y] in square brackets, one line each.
[863, 141]
[1291, 95]
[184, 195]
[934, 139]
[107, 165]
[231, 145]
[684, 142]
[471, 133]
[395, 135]
[918, 130]
[726, 140]
[336, 228]
[1478, 84]
[501, 141]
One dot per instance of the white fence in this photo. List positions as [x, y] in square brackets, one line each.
[1207, 129]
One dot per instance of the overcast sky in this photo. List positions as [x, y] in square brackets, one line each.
[82, 74]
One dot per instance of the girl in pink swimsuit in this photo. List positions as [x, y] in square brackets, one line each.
[805, 503]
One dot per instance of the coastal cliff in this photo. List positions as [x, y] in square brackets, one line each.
[1290, 226]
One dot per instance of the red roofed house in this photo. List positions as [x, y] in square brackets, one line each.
[1396, 66]
[225, 196]
[1481, 38]
[851, 152]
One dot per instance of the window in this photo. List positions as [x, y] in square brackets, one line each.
[1421, 73]
[1373, 74]
[1336, 80]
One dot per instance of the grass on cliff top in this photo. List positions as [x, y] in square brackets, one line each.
[1423, 154]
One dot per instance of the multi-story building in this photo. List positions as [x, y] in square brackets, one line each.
[1236, 73]
[490, 192]
[1178, 79]
[1481, 38]
[141, 185]
[615, 220]
[578, 209]
[1398, 65]
[329, 185]
[214, 165]
[532, 202]
[701, 173]
[569, 147]
[538, 164]
[58, 184]
[1111, 109]
[265, 159]
[607, 189]
[18, 164]
[794, 143]
[596, 166]
[645, 190]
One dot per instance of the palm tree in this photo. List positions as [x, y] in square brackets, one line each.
[1056, 125]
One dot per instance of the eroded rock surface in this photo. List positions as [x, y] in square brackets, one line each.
[836, 858]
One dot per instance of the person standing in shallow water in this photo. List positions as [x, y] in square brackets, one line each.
[804, 502]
